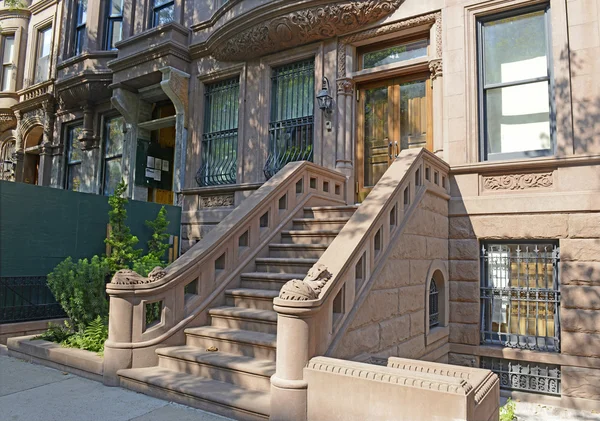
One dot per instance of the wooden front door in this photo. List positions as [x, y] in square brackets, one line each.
[392, 115]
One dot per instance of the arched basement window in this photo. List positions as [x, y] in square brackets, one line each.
[433, 305]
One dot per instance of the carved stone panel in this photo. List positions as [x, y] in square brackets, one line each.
[220, 201]
[302, 27]
[512, 182]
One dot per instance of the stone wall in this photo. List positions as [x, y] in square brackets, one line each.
[390, 321]
[578, 234]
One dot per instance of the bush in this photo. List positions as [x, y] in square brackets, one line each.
[91, 338]
[56, 333]
[79, 288]
[507, 412]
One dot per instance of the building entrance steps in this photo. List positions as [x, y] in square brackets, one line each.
[226, 367]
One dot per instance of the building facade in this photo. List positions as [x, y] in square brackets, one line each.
[199, 103]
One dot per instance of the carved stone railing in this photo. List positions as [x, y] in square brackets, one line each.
[146, 313]
[36, 91]
[311, 311]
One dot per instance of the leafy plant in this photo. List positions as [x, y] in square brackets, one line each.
[120, 239]
[56, 333]
[158, 243]
[146, 263]
[91, 338]
[507, 412]
[79, 288]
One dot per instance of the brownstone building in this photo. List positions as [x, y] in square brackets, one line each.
[200, 103]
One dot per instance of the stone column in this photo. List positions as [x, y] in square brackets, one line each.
[435, 67]
[19, 152]
[45, 169]
[343, 162]
[175, 84]
[120, 330]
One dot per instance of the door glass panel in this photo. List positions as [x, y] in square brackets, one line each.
[413, 115]
[376, 111]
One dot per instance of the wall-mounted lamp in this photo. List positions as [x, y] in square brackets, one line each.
[325, 100]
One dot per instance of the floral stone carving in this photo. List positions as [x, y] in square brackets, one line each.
[518, 181]
[302, 27]
[130, 277]
[309, 288]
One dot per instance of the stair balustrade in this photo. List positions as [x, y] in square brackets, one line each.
[309, 327]
[151, 312]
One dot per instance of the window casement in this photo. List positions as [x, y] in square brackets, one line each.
[8, 47]
[520, 296]
[394, 52]
[114, 24]
[516, 108]
[74, 158]
[434, 312]
[112, 154]
[162, 12]
[291, 125]
[44, 48]
[220, 134]
[79, 30]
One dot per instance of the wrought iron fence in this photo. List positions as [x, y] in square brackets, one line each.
[291, 129]
[525, 376]
[520, 296]
[433, 305]
[220, 138]
[27, 298]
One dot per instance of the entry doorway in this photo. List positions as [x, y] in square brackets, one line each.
[165, 138]
[392, 115]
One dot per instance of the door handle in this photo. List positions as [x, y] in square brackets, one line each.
[390, 150]
[397, 148]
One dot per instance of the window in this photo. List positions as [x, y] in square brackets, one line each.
[515, 85]
[42, 67]
[395, 53]
[114, 23]
[292, 110]
[113, 151]
[434, 311]
[8, 46]
[520, 297]
[74, 158]
[162, 12]
[81, 17]
[220, 137]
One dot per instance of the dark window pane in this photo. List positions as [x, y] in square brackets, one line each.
[515, 48]
[112, 175]
[395, 54]
[75, 152]
[164, 15]
[116, 32]
[74, 177]
[114, 137]
[116, 8]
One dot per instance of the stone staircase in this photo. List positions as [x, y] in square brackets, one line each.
[226, 367]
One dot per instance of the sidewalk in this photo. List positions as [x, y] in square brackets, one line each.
[34, 392]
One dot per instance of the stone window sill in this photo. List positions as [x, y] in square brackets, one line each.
[436, 333]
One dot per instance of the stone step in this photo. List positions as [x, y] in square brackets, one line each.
[284, 264]
[251, 298]
[247, 372]
[264, 321]
[199, 392]
[325, 212]
[297, 250]
[308, 236]
[233, 341]
[319, 224]
[265, 280]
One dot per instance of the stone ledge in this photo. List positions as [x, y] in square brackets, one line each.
[77, 361]
[7, 328]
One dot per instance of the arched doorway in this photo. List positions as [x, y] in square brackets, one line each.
[31, 160]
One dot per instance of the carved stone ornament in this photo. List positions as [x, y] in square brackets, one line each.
[518, 181]
[302, 27]
[220, 201]
[156, 274]
[345, 87]
[129, 277]
[175, 84]
[435, 67]
[309, 288]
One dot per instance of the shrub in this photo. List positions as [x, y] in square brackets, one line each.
[56, 333]
[507, 412]
[79, 288]
[91, 338]
[159, 241]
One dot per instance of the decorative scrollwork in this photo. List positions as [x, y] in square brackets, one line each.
[309, 288]
[518, 181]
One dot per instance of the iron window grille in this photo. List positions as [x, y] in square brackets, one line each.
[74, 158]
[113, 153]
[434, 313]
[26, 298]
[291, 127]
[8, 44]
[515, 76]
[520, 296]
[220, 137]
[114, 24]
[42, 64]
[525, 376]
[162, 12]
[81, 17]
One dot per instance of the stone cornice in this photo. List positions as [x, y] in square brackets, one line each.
[259, 34]
[525, 165]
[215, 17]
[156, 51]
[40, 5]
[90, 55]
[152, 31]
[14, 14]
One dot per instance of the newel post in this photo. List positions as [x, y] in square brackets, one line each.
[288, 387]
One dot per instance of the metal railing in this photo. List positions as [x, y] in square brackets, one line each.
[520, 297]
[291, 126]
[27, 298]
[434, 312]
[220, 138]
[525, 376]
